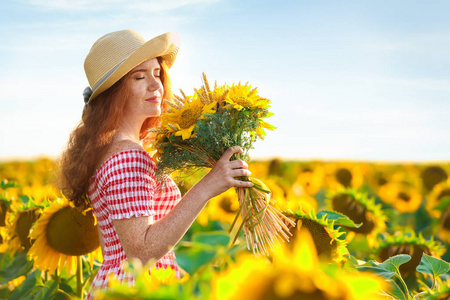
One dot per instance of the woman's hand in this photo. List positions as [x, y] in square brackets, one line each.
[223, 175]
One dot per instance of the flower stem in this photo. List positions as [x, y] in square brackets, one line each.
[79, 277]
[407, 294]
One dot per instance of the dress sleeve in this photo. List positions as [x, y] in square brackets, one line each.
[130, 185]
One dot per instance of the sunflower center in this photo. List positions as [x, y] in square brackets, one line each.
[189, 117]
[24, 222]
[227, 205]
[344, 177]
[432, 176]
[404, 196]
[271, 294]
[382, 181]
[325, 245]
[71, 232]
[242, 101]
[276, 167]
[445, 220]
[347, 205]
[3, 210]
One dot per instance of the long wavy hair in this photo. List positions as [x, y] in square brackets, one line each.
[92, 137]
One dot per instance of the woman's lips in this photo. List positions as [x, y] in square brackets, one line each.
[153, 99]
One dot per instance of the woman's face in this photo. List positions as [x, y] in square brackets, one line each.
[146, 91]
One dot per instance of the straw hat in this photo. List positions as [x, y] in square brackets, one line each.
[116, 53]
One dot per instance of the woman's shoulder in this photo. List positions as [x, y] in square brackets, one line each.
[125, 154]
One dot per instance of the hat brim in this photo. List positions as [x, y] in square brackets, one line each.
[165, 46]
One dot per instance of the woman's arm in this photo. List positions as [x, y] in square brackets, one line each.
[146, 241]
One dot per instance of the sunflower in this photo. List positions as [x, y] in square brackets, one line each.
[62, 233]
[294, 202]
[259, 169]
[407, 174]
[309, 180]
[444, 225]
[408, 243]
[403, 197]
[276, 167]
[433, 175]
[150, 283]
[344, 175]
[378, 175]
[223, 207]
[296, 273]
[327, 239]
[40, 192]
[360, 209]
[183, 116]
[19, 223]
[437, 198]
[243, 96]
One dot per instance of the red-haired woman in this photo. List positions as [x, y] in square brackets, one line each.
[105, 165]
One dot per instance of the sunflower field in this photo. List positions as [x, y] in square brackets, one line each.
[364, 230]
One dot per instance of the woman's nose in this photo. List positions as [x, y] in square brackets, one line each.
[154, 84]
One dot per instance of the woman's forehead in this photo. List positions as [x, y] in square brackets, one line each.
[151, 63]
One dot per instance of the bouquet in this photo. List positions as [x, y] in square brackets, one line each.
[197, 130]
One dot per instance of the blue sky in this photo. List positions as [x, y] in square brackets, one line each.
[347, 79]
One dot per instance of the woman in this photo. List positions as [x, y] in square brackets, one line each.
[105, 164]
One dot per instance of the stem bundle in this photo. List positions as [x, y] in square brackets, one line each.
[264, 226]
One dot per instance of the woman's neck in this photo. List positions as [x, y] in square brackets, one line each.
[129, 131]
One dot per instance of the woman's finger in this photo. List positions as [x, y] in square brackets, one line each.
[240, 183]
[238, 164]
[230, 151]
[240, 173]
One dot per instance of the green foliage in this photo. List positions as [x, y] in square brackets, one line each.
[28, 288]
[5, 184]
[390, 269]
[214, 134]
[338, 218]
[48, 291]
[433, 266]
[14, 267]
[379, 270]
[203, 249]
[393, 263]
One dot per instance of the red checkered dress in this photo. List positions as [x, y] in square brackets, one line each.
[124, 187]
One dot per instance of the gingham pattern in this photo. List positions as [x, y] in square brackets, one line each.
[124, 187]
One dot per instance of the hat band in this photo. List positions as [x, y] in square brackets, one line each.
[103, 79]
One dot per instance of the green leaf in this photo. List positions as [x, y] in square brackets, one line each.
[19, 266]
[397, 292]
[48, 291]
[433, 266]
[27, 287]
[211, 238]
[5, 184]
[338, 218]
[193, 258]
[377, 270]
[393, 263]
